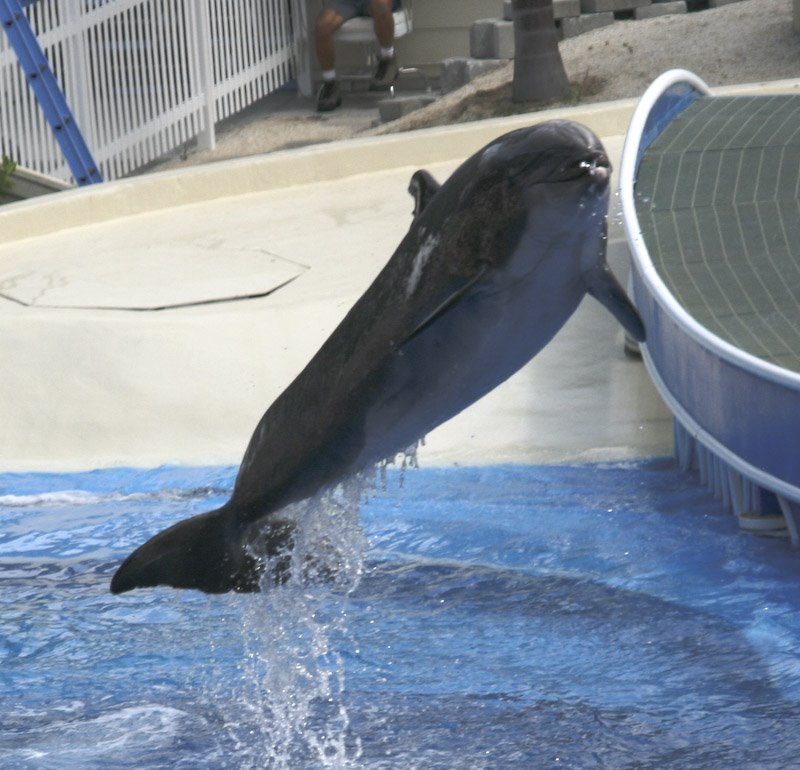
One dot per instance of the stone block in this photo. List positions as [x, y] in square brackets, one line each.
[481, 38]
[458, 71]
[477, 67]
[563, 9]
[577, 25]
[491, 39]
[718, 3]
[504, 33]
[597, 6]
[392, 109]
[452, 74]
[614, 6]
[660, 9]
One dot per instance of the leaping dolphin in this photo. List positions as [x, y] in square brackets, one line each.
[495, 262]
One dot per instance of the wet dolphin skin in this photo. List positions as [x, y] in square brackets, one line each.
[495, 261]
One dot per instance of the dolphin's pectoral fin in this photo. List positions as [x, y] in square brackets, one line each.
[606, 289]
[209, 553]
[446, 306]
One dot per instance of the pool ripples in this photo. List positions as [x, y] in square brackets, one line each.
[501, 617]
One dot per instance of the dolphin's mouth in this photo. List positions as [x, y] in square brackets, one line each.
[599, 169]
[593, 167]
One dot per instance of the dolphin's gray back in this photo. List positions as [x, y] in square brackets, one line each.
[379, 383]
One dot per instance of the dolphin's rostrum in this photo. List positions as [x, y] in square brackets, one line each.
[495, 261]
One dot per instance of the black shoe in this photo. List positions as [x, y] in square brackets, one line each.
[385, 74]
[329, 96]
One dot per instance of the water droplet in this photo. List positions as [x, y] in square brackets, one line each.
[293, 675]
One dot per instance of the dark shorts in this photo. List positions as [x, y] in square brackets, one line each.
[350, 8]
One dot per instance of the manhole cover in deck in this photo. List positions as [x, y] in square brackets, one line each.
[157, 276]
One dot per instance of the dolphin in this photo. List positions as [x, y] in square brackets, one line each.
[495, 261]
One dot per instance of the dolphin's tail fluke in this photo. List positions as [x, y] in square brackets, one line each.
[207, 552]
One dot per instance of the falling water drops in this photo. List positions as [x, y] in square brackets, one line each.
[292, 672]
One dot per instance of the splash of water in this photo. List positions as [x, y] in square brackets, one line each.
[293, 671]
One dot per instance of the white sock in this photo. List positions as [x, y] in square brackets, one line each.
[387, 53]
[329, 75]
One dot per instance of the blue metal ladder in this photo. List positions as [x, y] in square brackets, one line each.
[47, 91]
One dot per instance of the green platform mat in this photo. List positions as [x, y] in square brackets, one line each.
[717, 196]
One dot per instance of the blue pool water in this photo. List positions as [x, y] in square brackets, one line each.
[602, 616]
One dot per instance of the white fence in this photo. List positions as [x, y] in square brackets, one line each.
[144, 77]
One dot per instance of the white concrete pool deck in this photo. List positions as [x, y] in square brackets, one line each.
[95, 375]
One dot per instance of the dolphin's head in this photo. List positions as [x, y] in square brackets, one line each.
[565, 157]
[559, 173]
[555, 172]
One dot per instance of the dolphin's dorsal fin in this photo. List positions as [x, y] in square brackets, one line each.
[422, 187]
[445, 306]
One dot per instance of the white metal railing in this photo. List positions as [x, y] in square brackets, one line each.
[144, 77]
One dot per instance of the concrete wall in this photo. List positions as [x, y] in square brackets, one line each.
[441, 30]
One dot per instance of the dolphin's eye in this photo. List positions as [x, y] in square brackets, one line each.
[573, 169]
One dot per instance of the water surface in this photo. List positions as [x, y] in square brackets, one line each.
[596, 616]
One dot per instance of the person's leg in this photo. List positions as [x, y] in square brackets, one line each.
[328, 21]
[331, 17]
[381, 12]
